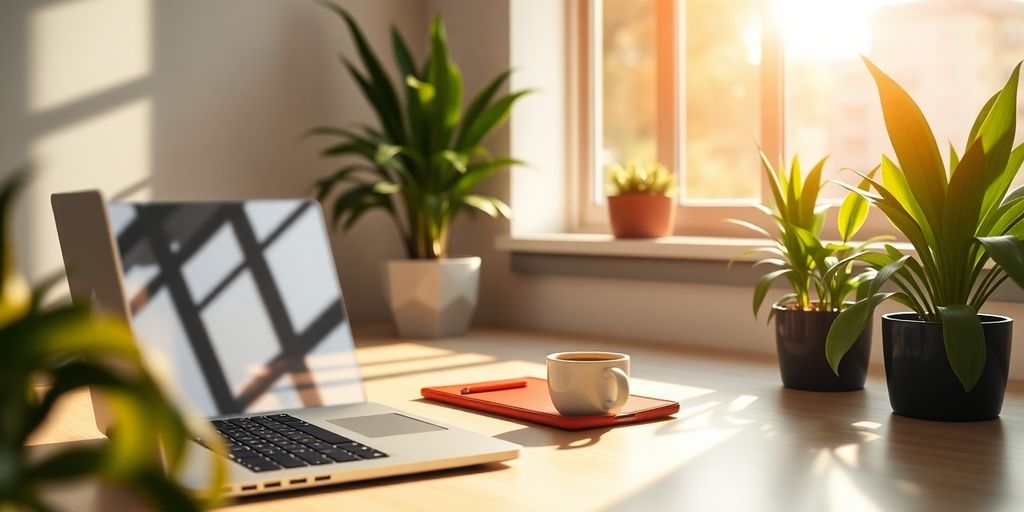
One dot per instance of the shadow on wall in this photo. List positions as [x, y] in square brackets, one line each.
[147, 99]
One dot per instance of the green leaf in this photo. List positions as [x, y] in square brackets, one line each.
[327, 184]
[456, 159]
[809, 194]
[751, 226]
[386, 103]
[490, 205]
[1008, 252]
[386, 187]
[66, 331]
[424, 92]
[164, 494]
[491, 117]
[476, 172]
[848, 326]
[15, 294]
[792, 193]
[776, 262]
[763, 284]
[353, 148]
[996, 135]
[965, 343]
[963, 205]
[482, 99]
[385, 152]
[981, 118]
[349, 200]
[914, 143]
[69, 464]
[853, 213]
[773, 182]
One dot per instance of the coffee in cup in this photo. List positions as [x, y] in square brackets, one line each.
[588, 383]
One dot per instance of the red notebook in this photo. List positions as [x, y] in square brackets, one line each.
[532, 403]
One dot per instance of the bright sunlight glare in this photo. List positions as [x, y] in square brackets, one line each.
[820, 30]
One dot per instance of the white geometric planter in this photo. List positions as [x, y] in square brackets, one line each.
[432, 298]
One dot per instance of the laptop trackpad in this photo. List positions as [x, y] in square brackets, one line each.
[384, 425]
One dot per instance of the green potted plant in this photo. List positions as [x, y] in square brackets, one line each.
[819, 274]
[421, 166]
[944, 360]
[641, 199]
[71, 348]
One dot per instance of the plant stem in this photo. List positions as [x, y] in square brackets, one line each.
[993, 287]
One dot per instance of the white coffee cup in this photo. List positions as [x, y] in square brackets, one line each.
[588, 383]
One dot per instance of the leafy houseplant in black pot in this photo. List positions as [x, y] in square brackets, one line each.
[945, 360]
[818, 276]
[421, 166]
[73, 348]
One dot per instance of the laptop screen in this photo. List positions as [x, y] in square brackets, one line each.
[238, 303]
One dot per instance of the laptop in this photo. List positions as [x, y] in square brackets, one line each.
[238, 305]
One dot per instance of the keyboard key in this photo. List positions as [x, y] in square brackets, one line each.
[314, 458]
[287, 461]
[356, 448]
[377, 455]
[260, 465]
[236, 450]
[319, 446]
[340, 455]
[321, 434]
[284, 418]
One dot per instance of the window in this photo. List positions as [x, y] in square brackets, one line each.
[696, 83]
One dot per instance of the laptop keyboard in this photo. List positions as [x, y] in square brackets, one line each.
[280, 441]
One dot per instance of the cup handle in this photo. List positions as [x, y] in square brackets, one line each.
[621, 388]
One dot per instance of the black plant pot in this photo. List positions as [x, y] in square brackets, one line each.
[921, 382]
[800, 339]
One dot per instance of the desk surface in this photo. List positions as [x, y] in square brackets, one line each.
[740, 442]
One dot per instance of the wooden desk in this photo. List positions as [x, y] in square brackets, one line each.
[740, 442]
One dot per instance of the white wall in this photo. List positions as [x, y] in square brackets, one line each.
[183, 99]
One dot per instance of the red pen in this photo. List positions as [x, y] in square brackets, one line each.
[497, 386]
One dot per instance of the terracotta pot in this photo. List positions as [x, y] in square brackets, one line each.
[642, 215]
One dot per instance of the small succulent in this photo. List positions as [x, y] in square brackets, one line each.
[639, 177]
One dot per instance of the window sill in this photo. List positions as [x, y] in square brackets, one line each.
[701, 248]
[671, 247]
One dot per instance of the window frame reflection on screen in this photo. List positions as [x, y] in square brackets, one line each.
[238, 303]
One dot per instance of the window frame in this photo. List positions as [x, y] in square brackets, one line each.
[694, 217]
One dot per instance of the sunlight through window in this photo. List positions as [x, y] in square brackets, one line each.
[86, 47]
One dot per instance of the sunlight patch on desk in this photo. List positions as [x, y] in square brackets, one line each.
[869, 436]
[848, 454]
[382, 354]
[378, 371]
[690, 439]
[866, 424]
[845, 495]
[741, 402]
